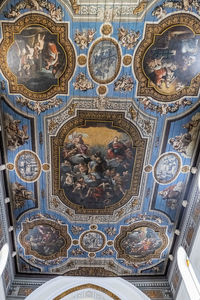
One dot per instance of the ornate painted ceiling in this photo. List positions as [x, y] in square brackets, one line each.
[100, 110]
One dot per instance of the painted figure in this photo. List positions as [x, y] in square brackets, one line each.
[15, 136]
[141, 242]
[116, 149]
[170, 63]
[52, 57]
[36, 58]
[45, 240]
[96, 178]
[185, 142]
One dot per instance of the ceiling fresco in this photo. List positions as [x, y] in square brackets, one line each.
[101, 117]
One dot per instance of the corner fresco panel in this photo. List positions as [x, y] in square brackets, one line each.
[166, 61]
[36, 58]
[171, 61]
[141, 242]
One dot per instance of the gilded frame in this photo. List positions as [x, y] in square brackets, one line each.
[62, 230]
[106, 81]
[117, 120]
[24, 152]
[145, 88]
[9, 29]
[176, 173]
[127, 229]
[92, 231]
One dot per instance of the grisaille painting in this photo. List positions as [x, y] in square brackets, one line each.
[167, 168]
[92, 241]
[104, 60]
[27, 166]
[171, 61]
[96, 165]
[36, 58]
[141, 242]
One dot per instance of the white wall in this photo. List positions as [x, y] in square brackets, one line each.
[118, 286]
[195, 261]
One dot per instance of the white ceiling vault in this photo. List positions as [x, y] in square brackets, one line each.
[100, 122]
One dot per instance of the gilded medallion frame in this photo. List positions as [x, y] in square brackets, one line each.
[37, 160]
[145, 86]
[92, 231]
[60, 31]
[125, 230]
[117, 69]
[165, 155]
[62, 230]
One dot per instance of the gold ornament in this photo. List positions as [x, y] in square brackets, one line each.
[82, 60]
[102, 89]
[127, 59]
[106, 29]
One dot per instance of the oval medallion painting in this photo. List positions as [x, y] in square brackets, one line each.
[92, 241]
[167, 168]
[104, 60]
[36, 58]
[27, 166]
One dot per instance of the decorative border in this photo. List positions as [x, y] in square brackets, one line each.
[125, 230]
[117, 120]
[177, 172]
[87, 286]
[144, 88]
[30, 225]
[118, 64]
[24, 152]
[61, 30]
[90, 231]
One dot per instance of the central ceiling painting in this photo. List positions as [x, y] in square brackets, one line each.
[101, 116]
[99, 164]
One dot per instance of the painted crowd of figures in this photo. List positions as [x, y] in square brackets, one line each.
[171, 62]
[36, 57]
[96, 177]
[45, 240]
[161, 11]
[141, 242]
